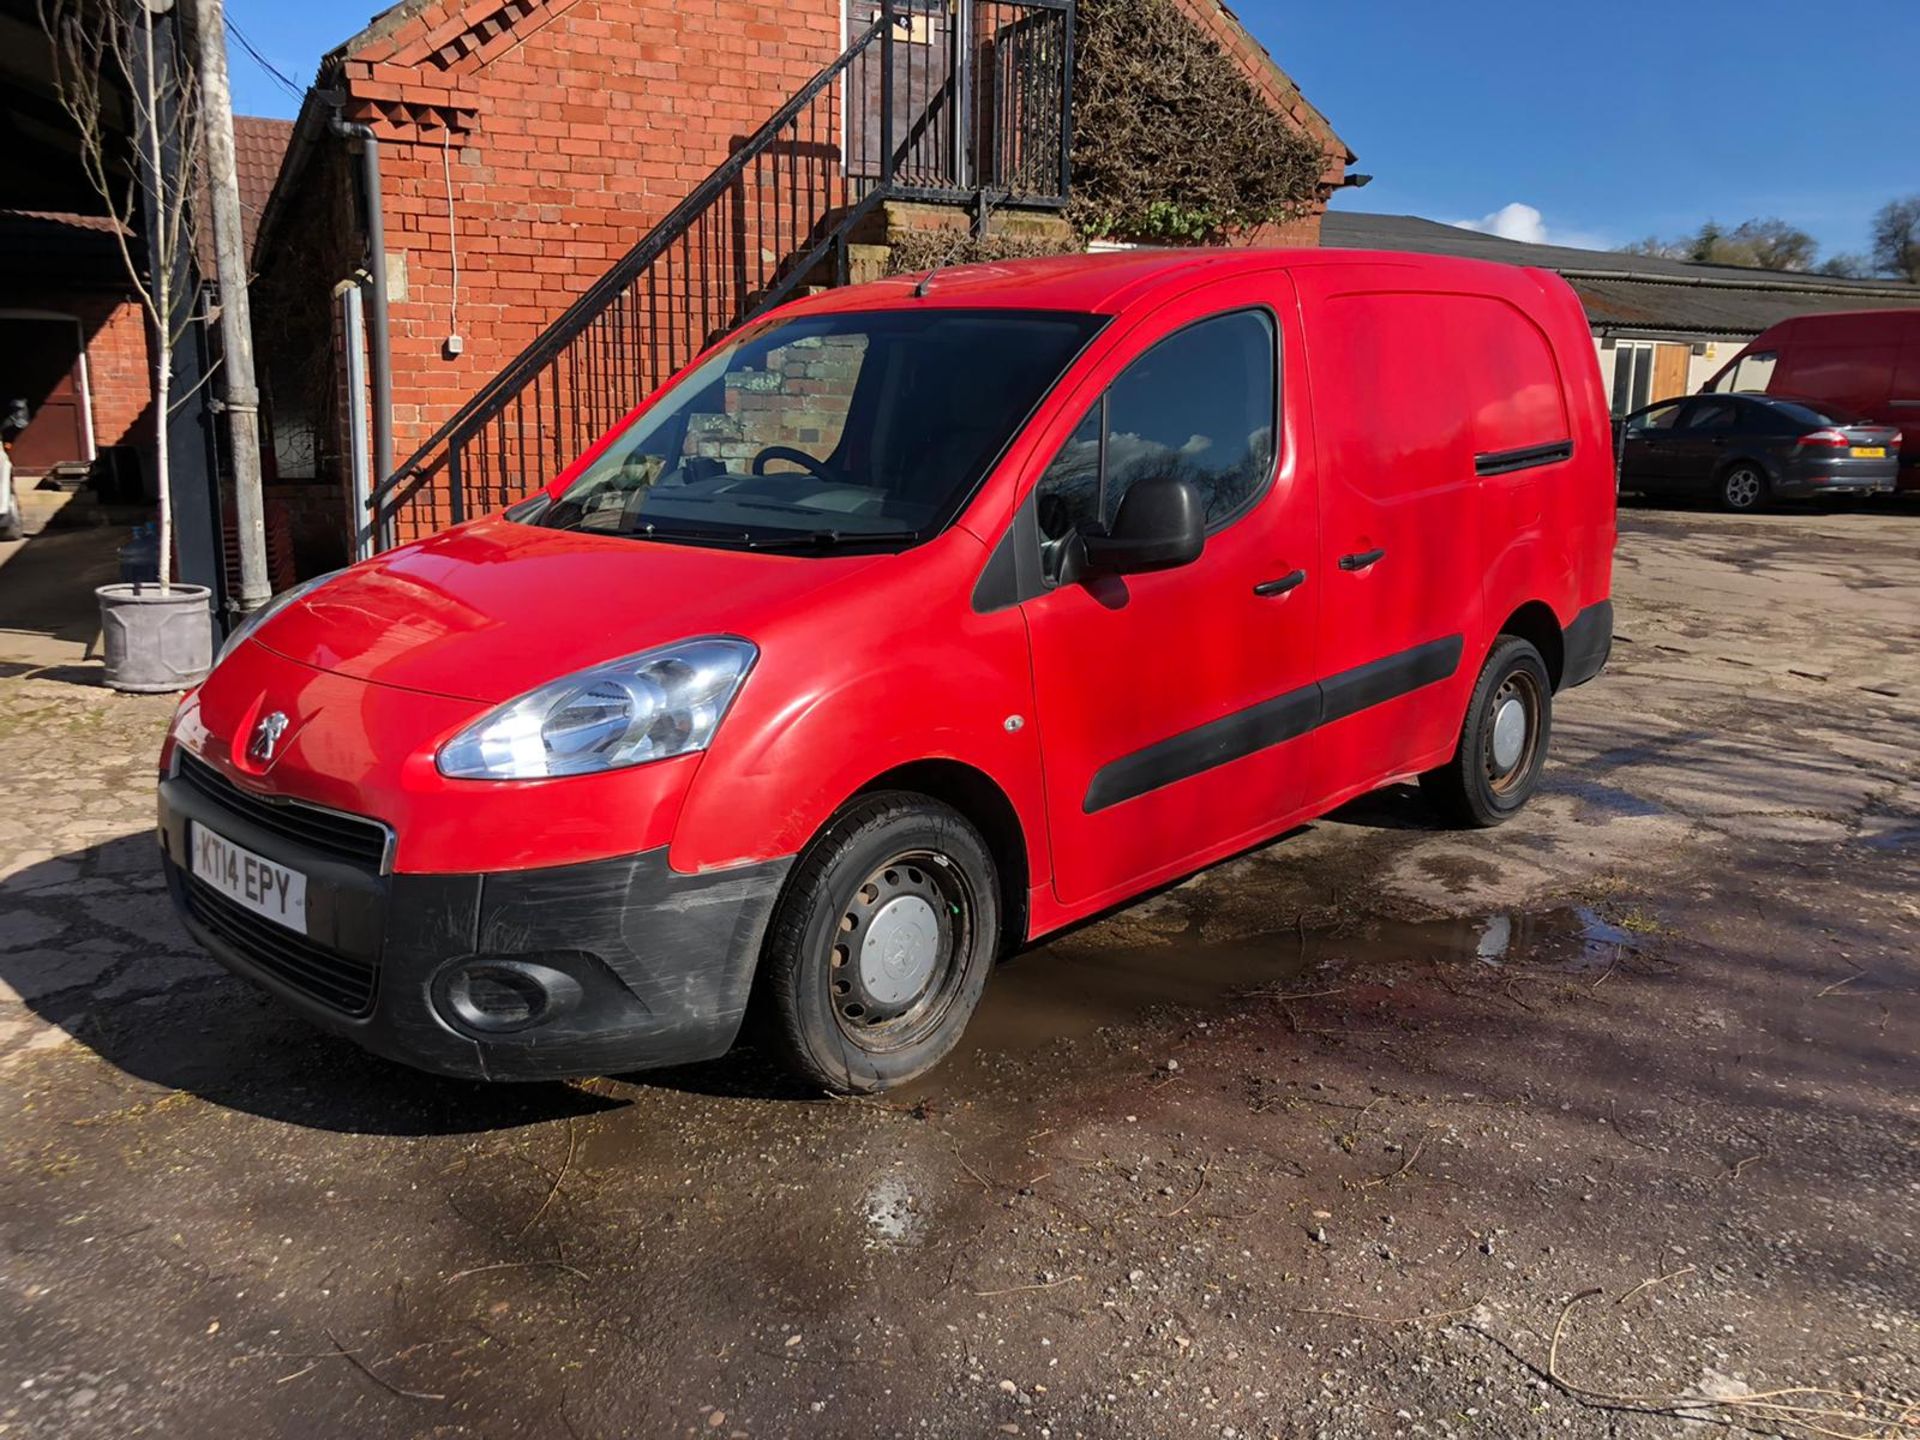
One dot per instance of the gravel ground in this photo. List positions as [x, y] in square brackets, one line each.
[1332, 1140]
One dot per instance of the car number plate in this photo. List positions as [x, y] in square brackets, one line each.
[1869, 452]
[248, 879]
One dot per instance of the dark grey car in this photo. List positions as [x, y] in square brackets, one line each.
[1745, 450]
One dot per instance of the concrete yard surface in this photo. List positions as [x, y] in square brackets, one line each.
[1605, 1123]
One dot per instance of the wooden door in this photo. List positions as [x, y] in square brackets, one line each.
[40, 362]
[1670, 365]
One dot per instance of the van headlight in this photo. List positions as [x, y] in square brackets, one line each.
[273, 607]
[646, 707]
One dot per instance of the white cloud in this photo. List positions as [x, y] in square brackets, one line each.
[1523, 222]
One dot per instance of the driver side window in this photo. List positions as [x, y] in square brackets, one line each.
[1201, 406]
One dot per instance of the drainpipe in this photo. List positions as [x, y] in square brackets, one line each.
[353, 327]
[380, 356]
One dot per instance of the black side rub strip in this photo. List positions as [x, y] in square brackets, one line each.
[1505, 462]
[1272, 722]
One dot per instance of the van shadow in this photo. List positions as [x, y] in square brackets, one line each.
[1395, 807]
[90, 943]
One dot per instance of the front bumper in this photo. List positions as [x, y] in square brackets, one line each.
[656, 965]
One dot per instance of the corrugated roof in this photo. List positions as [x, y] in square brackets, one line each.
[1634, 292]
[1713, 310]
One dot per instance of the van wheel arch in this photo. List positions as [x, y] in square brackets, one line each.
[977, 796]
[1536, 623]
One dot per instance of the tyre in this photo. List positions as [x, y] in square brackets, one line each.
[881, 945]
[1503, 742]
[1743, 488]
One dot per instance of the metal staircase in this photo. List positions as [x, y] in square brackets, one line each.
[962, 102]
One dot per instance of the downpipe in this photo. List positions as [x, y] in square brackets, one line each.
[380, 351]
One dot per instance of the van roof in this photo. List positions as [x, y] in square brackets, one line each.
[1107, 283]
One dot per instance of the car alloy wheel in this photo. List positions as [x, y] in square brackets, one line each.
[1743, 488]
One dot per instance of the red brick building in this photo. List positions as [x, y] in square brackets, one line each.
[527, 146]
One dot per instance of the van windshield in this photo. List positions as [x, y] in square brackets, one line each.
[865, 428]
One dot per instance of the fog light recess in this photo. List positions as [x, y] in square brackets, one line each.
[500, 996]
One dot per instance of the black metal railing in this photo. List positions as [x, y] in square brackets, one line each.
[930, 101]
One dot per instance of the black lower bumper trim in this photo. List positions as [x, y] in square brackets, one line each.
[658, 965]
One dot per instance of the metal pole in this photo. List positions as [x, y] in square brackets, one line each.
[962, 72]
[240, 390]
[353, 329]
[1066, 108]
[886, 92]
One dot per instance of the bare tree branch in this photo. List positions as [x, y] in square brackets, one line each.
[133, 115]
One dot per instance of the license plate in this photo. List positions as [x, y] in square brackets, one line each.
[248, 879]
[1869, 452]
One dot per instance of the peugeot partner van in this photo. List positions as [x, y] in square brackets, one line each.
[1864, 361]
[911, 623]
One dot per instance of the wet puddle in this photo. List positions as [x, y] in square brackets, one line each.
[1073, 988]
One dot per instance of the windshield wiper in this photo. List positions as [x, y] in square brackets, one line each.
[829, 539]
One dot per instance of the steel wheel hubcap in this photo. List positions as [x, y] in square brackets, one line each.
[1509, 734]
[900, 951]
[1513, 737]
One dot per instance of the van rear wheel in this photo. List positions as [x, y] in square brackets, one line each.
[881, 946]
[1503, 741]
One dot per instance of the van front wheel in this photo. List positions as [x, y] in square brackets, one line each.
[881, 946]
[1503, 742]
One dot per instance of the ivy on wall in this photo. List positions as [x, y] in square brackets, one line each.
[1171, 141]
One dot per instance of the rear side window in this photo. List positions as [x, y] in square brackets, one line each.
[1200, 405]
[1785, 416]
[1712, 415]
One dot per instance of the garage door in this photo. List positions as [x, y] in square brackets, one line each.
[40, 362]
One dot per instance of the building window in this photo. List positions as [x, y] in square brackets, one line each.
[1632, 375]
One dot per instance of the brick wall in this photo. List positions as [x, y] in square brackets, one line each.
[119, 372]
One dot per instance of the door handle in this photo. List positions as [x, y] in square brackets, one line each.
[1282, 585]
[1365, 560]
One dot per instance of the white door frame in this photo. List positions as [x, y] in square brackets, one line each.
[86, 373]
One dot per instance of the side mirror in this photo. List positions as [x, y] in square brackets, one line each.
[1162, 525]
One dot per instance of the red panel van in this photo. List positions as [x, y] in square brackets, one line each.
[1866, 361]
[908, 625]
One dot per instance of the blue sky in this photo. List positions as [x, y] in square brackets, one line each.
[1612, 121]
